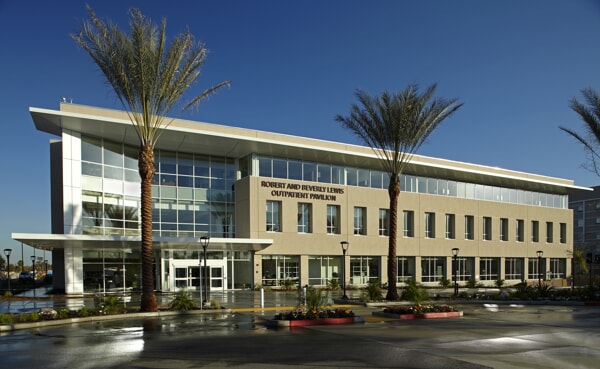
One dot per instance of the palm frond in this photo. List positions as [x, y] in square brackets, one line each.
[148, 76]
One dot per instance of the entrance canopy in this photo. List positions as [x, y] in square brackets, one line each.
[89, 242]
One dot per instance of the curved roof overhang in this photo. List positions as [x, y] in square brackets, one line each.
[90, 242]
[192, 137]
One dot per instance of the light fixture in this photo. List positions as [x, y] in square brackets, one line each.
[344, 245]
[455, 269]
[204, 241]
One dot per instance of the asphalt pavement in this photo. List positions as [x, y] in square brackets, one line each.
[488, 335]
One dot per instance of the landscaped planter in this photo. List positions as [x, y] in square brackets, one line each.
[308, 322]
[452, 314]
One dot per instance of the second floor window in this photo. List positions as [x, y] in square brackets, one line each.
[563, 232]
[333, 219]
[487, 228]
[535, 231]
[304, 218]
[469, 227]
[360, 221]
[384, 222]
[549, 232]
[429, 225]
[520, 230]
[409, 223]
[273, 216]
[450, 226]
[503, 229]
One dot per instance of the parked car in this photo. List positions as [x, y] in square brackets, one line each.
[26, 276]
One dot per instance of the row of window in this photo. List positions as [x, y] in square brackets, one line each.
[321, 269]
[273, 224]
[272, 167]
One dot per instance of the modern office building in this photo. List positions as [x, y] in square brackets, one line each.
[277, 207]
[586, 231]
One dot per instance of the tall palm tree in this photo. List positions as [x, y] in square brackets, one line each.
[395, 126]
[589, 111]
[149, 77]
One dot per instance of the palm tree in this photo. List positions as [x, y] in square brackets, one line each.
[395, 126]
[149, 77]
[589, 111]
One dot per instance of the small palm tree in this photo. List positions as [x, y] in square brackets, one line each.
[395, 126]
[149, 77]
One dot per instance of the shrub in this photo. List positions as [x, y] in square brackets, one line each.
[182, 301]
[110, 305]
[445, 283]
[315, 298]
[287, 284]
[415, 293]
[374, 290]
[471, 283]
[333, 284]
[8, 294]
[499, 282]
[6, 318]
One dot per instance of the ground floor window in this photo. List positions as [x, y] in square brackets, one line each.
[433, 268]
[536, 266]
[513, 268]
[406, 268]
[111, 271]
[277, 269]
[464, 269]
[558, 268]
[363, 269]
[322, 269]
[489, 269]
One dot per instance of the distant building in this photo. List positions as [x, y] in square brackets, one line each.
[276, 208]
[586, 230]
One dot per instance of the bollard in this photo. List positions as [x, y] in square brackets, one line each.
[262, 297]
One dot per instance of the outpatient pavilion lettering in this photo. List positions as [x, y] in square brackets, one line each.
[303, 191]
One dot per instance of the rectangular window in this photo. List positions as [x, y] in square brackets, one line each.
[503, 229]
[535, 231]
[513, 268]
[384, 222]
[469, 227]
[360, 221]
[409, 223]
[536, 268]
[273, 216]
[304, 217]
[429, 225]
[433, 269]
[333, 219]
[520, 230]
[487, 228]
[558, 268]
[489, 269]
[549, 232]
[450, 234]
[563, 232]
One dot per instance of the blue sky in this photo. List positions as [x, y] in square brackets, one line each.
[294, 65]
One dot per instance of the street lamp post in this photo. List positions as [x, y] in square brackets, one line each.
[7, 253]
[345, 245]
[454, 269]
[204, 240]
[33, 271]
[540, 253]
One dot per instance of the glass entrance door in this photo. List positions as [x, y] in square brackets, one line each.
[187, 277]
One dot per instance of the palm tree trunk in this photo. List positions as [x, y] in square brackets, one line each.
[394, 192]
[146, 169]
